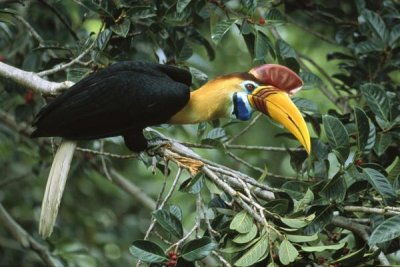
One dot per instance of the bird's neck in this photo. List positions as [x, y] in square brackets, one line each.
[205, 104]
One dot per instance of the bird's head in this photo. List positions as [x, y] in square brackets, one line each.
[266, 89]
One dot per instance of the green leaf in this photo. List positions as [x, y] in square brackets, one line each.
[380, 183]
[169, 222]
[310, 80]
[193, 185]
[198, 249]
[261, 46]
[351, 258]
[185, 53]
[141, 12]
[175, 210]
[272, 264]
[394, 38]
[305, 104]
[213, 188]
[147, 251]
[298, 222]
[302, 238]
[76, 74]
[221, 28]
[393, 169]
[247, 237]
[369, 46]
[287, 252]
[383, 141]
[274, 15]
[352, 175]
[323, 217]
[322, 248]
[214, 137]
[7, 18]
[335, 189]
[284, 50]
[216, 133]
[103, 39]
[279, 206]
[305, 201]
[375, 23]
[254, 254]
[122, 29]
[371, 138]
[337, 136]
[234, 248]
[362, 124]
[181, 5]
[388, 230]
[377, 99]
[242, 222]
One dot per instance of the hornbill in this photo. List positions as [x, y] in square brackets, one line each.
[126, 97]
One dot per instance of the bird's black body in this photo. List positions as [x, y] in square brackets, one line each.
[119, 100]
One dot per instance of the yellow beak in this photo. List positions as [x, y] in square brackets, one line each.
[278, 105]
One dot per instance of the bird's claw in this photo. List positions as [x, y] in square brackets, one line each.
[154, 145]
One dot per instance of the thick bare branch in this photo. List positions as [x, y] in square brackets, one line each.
[31, 80]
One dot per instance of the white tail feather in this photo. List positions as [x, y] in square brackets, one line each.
[55, 187]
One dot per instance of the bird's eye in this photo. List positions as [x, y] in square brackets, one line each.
[250, 87]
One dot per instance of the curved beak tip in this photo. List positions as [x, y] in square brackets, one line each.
[277, 104]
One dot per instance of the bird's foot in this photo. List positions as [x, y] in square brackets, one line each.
[154, 145]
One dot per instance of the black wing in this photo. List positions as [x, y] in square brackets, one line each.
[123, 98]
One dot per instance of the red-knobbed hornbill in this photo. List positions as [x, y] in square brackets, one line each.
[126, 97]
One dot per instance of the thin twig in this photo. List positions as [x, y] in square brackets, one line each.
[64, 66]
[221, 259]
[242, 147]
[230, 191]
[183, 239]
[172, 188]
[265, 148]
[244, 130]
[107, 154]
[245, 163]
[164, 201]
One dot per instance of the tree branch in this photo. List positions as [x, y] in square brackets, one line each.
[69, 64]
[380, 211]
[361, 231]
[31, 80]
[24, 239]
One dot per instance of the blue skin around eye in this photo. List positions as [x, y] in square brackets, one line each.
[242, 111]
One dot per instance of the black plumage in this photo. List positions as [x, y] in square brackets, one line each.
[119, 100]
